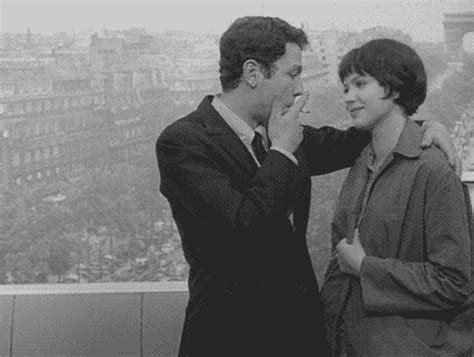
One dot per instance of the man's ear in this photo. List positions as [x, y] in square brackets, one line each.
[251, 73]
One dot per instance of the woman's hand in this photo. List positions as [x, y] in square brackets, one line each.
[350, 255]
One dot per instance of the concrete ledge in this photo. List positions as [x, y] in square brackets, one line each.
[129, 319]
[6, 309]
[92, 288]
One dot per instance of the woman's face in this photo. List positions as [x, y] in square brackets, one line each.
[365, 101]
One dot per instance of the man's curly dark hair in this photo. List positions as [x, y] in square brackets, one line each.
[260, 38]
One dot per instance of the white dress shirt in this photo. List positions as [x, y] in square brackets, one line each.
[245, 132]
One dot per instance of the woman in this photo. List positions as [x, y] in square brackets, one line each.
[400, 274]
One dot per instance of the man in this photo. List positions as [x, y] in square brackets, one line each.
[236, 173]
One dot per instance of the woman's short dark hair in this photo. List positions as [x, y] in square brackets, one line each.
[260, 38]
[396, 66]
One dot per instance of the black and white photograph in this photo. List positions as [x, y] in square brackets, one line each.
[236, 178]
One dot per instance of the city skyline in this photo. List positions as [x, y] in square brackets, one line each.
[421, 19]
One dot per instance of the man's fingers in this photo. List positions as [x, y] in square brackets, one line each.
[451, 155]
[427, 137]
[435, 133]
[341, 244]
[449, 151]
[427, 141]
[277, 107]
[300, 102]
[356, 236]
[458, 166]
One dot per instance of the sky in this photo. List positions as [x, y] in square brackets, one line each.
[422, 19]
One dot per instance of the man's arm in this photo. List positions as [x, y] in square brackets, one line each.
[328, 149]
[192, 176]
[437, 134]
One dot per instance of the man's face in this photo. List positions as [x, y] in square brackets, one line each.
[285, 82]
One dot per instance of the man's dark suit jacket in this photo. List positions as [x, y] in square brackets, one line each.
[252, 288]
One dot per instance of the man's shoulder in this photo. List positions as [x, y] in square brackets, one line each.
[189, 125]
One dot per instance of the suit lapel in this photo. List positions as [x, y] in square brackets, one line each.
[231, 144]
[225, 137]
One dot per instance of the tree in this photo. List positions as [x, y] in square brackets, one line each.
[35, 240]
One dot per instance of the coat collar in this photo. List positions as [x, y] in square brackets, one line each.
[409, 143]
[211, 119]
[222, 133]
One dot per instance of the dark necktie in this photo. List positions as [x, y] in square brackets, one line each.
[258, 148]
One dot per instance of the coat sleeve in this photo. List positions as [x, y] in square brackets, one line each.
[442, 281]
[194, 176]
[328, 149]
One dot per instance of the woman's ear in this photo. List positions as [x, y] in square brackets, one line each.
[394, 95]
[251, 73]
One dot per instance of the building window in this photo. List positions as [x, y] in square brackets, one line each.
[55, 150]
[37, 128]
[16, 159]
[17, 108]
[37, 154]
[46, 153]
[27, 157]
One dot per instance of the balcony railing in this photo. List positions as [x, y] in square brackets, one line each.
[100, 319]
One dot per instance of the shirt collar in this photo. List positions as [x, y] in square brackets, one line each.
[237, 124]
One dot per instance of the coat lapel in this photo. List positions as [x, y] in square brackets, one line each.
[231, 144]
[225, 137]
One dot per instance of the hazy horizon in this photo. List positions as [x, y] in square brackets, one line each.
[422, 20]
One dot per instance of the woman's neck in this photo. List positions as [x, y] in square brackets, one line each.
[385, 135]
